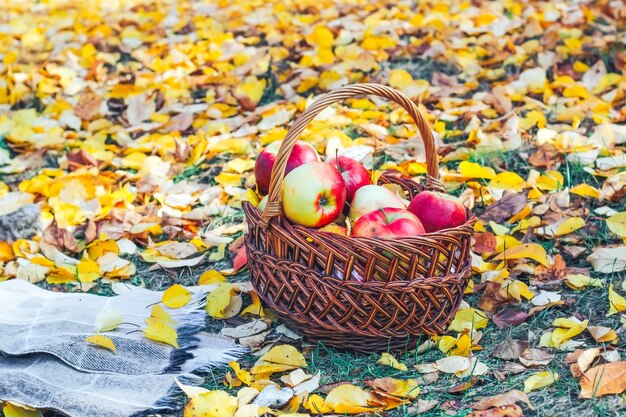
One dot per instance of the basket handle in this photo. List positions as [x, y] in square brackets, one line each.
[273, 207]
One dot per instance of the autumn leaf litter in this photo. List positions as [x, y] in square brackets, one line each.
[134, 130]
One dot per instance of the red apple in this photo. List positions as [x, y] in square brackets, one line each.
[371, 197]
[353, 172]
[302, 153]
[388, 223]
[313, 194]
[438, 210]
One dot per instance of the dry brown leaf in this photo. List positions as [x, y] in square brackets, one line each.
[586, 358]
[509, 318]
[533, 357]
[484, 243]
[511, 410]
[510, 397]
[509, 205]
[88, 105]
[510, 349]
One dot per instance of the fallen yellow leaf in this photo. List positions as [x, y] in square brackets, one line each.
[211, 277]
[468, 319]
[211, 404]
[161, 332]
[108, 320]
[176, 296]
[387, 359]
[349, 399]
[474, 170]
[586, 190]
[12, 410]
[285, 355]
[401, 388]
[218, 300]
[533, 251]
[102, 341]
[242, 374]
[617, 303]
[617, 224]
[567, 329]
[581, 281]
[540, 380]
[6, 252]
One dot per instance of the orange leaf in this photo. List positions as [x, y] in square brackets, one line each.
[609, 378]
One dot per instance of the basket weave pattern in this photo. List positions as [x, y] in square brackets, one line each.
[353, 292]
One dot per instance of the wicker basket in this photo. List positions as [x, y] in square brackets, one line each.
[353, 292]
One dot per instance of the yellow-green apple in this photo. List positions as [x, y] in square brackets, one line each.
[438, 211]
[388, 223]
[301, 153]
[263, 203]
[313, 194]
[353, 172]
[371, 197]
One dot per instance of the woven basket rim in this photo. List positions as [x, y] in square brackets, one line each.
[464, 229]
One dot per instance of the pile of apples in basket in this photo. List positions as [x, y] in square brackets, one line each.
[338, 196]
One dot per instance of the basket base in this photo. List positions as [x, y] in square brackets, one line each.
[357, 343]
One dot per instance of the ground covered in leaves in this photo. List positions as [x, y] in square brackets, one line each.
[128, 134]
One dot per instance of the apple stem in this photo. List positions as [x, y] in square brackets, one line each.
[382, 210]
[337, 159]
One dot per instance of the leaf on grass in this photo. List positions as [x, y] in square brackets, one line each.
[586, 358]
[509, 318]
[540, 380]
[602, 334]
[401, 388]
[535, 357]
[510, 410]
[349, 399]
[468, 319]
[453, 364]
[242, 374]
[389, 360]
[211, 277]
[484, 243]
[617, 224]
[581, 281]
[562, 227]
[511, 397]
[509, 205]
[533, 251]
[285, 355]
[617, 303]
[567, 329]
[102, 341]
[510, 349]
[108, 320]
[585, 190]
[240, 260]
[317, 405]
[608, 260]
[609, 378]
[211, 404]
[474, 170]
[176, 296]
